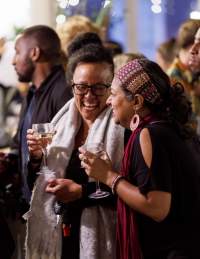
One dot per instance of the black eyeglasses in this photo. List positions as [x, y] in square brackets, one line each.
[96, 89]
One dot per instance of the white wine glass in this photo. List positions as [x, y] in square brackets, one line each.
[97, 148]
[44, 132]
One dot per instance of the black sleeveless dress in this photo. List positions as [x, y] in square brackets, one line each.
[175, 169]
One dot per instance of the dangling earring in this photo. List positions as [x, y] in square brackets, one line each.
[134, 122]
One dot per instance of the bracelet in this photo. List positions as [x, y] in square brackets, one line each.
[115, 182]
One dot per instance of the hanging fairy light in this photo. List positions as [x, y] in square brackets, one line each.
[106, 3]
[156, 9]
[73, 2]
[63, 4]
[66, 3]
[60, 19]
[156, 2]
[156, 6]
[196, 13]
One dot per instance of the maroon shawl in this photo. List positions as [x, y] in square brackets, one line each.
[128, 246]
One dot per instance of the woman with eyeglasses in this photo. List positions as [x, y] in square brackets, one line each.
[158, 186]
[88, 225]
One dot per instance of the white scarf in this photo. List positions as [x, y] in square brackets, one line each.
[97, 232]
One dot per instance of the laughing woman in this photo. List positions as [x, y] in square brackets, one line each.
[88, 225]
[159, 183]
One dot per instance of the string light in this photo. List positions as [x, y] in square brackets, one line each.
[156, 2]
[73, 2]
[195, 15]
[156, 9]
[63, 4]
[106, 3]
[60, 19]
[156, 6]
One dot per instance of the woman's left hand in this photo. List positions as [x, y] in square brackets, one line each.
[65, 190]
[95, 166]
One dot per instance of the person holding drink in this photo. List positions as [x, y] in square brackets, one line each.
[87, 224]
[158, 184]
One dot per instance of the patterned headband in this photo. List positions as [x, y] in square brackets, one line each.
[134, 78]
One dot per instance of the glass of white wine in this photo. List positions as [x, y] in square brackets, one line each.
[98, 149]
[44, 132]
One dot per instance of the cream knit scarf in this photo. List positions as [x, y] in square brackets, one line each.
[97, 233]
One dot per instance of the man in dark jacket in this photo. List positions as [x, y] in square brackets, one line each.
[39, 61]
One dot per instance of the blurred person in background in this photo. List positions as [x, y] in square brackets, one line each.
[166, 53]
[114, 47]
[123, 58]
[10, 98]
[179, 70]
[10, 101]
[72, 27]
[194, 61]
[194, 64]
[38, 60]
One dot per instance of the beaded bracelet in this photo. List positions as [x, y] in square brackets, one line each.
[115, 182]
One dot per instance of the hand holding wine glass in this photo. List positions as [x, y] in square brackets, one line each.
[97, 148]
[44, 132]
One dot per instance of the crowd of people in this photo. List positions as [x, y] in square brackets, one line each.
[146, 116]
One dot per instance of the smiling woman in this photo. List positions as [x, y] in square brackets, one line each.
[90, 104]
[161, 160]
[88, 225]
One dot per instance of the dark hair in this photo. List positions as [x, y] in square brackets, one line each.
[86, 49]
[114, 47]
[174, 105]
[48, 42]
[83, 39]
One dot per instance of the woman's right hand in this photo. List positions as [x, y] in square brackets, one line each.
[34, 145]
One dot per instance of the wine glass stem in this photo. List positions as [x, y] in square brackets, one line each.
[98, 189]
[44, 151]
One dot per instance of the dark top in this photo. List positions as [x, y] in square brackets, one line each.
[53, 93]
[175, 169]
[72, 211]
[48, 100]
[7, 243]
